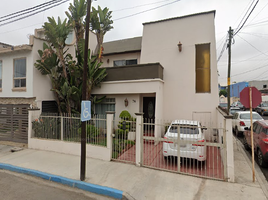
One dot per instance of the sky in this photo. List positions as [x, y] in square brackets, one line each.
[249, 60]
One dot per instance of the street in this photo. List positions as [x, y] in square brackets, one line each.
[15, 186]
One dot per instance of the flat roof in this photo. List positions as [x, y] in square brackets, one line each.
[181, 17]
[16, 49]
[122, 46]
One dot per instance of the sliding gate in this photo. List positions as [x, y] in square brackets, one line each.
[14, 123]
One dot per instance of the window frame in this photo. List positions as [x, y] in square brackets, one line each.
[203, 70]
[1, 77]
[126, 60]
[19, 78]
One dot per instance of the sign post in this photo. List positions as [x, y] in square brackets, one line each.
[250, 97]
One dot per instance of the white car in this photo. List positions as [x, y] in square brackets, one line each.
[241, 120]
[191, 139]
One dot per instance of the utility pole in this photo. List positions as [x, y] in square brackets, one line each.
[230, 32]
[84, 96]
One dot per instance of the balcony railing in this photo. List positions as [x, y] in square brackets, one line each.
[135, 72]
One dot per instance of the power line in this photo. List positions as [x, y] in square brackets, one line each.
[32, 14]
[30, 10]
[246, 18]
[253, 46]
[52, 1]
[139, 6]
[223, 48]
[146, 10]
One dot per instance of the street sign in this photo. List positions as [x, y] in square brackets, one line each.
[256, 97]
[85, 110]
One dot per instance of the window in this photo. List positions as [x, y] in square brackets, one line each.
[0, 74]
[118, 63]
[202, 68]
[108, 104]
[20, 73]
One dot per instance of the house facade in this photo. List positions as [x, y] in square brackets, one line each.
[168, 73]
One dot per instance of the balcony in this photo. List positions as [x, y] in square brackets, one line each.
[135, 72]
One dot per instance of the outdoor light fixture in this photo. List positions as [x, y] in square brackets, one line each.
[126, 102]
[180, 46]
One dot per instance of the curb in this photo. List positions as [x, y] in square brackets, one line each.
[102, 190]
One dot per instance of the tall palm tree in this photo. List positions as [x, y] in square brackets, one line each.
[56, 33]
[100, 23]
[76, 14]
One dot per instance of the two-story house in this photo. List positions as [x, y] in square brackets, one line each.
[168, 73]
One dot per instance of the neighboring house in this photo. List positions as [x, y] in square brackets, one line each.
[260, 85]
[22, 86]
[168, 73]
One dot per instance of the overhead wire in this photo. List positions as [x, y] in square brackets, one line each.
[28, 11]
[145, 11]
[9, 22]
[49, 2]
[246, 18]
[139, 6]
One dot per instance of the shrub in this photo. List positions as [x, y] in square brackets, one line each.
[92, 132]
[125, 115]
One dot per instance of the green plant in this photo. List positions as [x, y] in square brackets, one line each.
[125, 115]
[92, 133]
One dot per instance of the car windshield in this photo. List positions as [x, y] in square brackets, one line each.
[264, 105]
[223, 105]
[184, 129]
[247, 116]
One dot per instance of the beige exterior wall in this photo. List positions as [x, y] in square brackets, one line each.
[125, 56]
[159, 44]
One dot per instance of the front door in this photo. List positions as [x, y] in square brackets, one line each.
[149, 113]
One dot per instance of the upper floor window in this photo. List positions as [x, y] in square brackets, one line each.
[19, 73]
[202, 68]
[0, 74]
[125, 62]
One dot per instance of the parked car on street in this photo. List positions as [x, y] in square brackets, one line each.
[233, 110]
[223, 105]
[262, 109]
[260, 141]
[241, 120]
[238, 104]
[190, 133]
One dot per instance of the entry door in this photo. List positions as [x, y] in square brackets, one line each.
[149, 113]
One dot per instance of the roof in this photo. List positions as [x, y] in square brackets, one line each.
[181, 17]
[4, 44]
[24, 47]
[264, 123]
[122, 46]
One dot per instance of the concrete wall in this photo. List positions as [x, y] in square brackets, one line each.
[258, 84]
[159, 44]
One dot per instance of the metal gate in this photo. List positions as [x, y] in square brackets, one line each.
[14, 123]
[184, 151]
[124, 144]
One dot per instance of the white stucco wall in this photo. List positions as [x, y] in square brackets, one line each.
[125, 56]
[7, 74]
[159, 44]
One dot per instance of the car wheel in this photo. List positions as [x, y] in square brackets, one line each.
[260, 158]
[246, 144]
[236, 132]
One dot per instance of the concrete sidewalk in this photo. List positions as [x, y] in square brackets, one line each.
[139, 182]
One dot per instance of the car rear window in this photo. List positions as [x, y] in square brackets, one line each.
[184, 130]
[247, 116]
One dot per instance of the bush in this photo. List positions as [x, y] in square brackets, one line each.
[125, 115]
[92, 132]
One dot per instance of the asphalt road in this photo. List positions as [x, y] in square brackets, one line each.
[264, 170]
[15, 186]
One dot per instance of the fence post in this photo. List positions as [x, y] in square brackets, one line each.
[32, 114]
[139, 142]
[109, 137]
[229, 148]
[61, 127]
